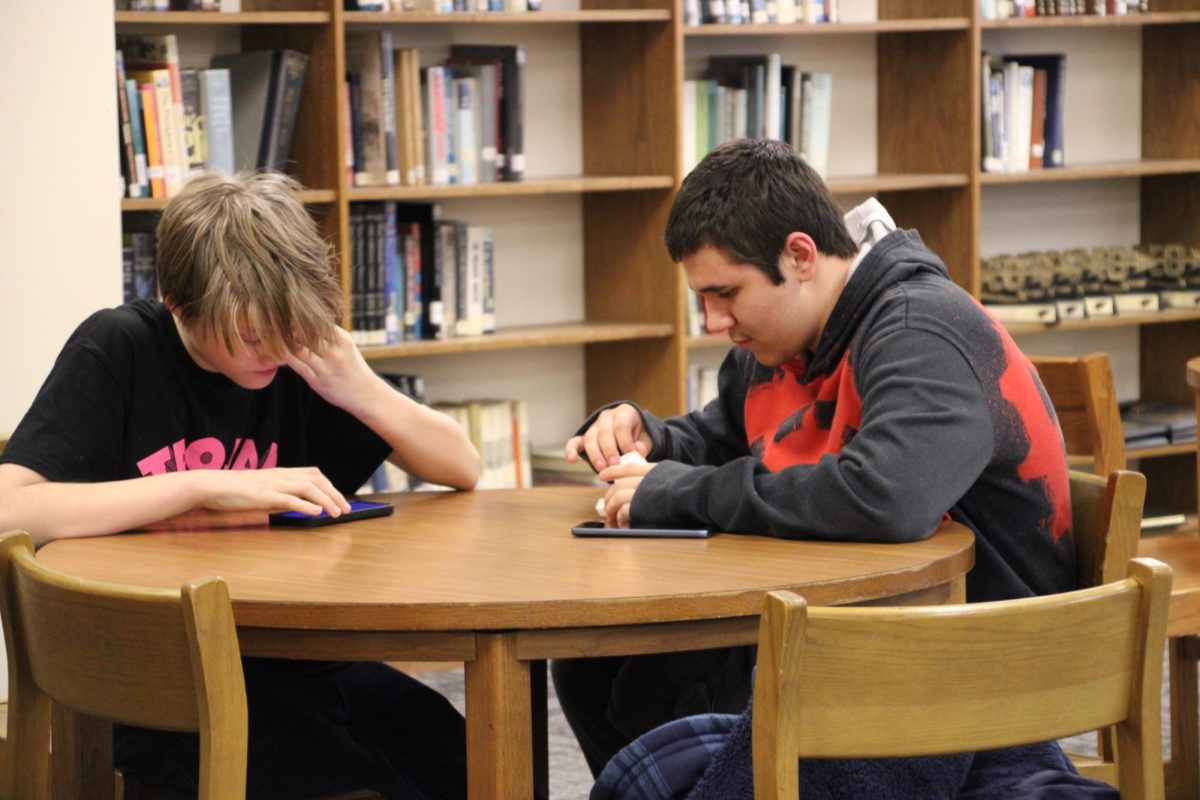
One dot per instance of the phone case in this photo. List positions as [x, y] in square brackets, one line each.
[359, 509]
[597, 529]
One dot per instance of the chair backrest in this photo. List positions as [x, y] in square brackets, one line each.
[1084, 398]
[1106, 521]
[152, 658]
[865, 682]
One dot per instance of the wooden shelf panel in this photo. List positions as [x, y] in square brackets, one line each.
[308, 196]
[1155, 318]
[376, 18]
[219, 18]
[831, 28]
[1188, 448]
[1094, 21]
[708, 340]
[565, 185]
[524, 337]
[895, 182]
[1092, 172]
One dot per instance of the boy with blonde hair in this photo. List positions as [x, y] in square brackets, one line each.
[240, 391]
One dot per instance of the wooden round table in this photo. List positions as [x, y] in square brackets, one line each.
[495, 579]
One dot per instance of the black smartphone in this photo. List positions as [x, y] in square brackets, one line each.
[359, 509]
[596, 528]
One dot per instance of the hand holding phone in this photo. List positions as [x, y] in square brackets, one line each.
[597, 529]
[359, 509]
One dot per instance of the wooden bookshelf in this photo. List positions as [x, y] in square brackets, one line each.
[632, 63]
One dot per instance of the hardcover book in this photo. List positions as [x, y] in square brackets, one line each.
[265, 88]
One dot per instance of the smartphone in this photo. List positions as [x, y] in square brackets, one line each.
[596, 528]
[359, 509]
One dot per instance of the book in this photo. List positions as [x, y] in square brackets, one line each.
[134, 183]
[168, 135]
[154, 168]
[485, 97]
[750, 73]
[1179, 421]
[194, 139]
[217, 106]
[364, 61]
[138, 132]
[146, 53]
[437, 141]
[820, 109]
[426, 284]
[511, 61]
[465, 93]
[1055, 65]
[1037, 126]
[265, 88]
[280, 123]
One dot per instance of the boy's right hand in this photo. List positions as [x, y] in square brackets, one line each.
[303, 489]
[616, 430]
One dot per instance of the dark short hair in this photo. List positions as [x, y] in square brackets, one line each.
[745, 197]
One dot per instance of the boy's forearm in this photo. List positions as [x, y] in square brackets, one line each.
[424, 442]
[51, 511]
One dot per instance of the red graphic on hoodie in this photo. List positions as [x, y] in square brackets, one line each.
[1044, 462]
[788, 422]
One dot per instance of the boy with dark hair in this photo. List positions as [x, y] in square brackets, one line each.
[240, 391]
[867, 398]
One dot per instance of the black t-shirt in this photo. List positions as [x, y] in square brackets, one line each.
[125, 399]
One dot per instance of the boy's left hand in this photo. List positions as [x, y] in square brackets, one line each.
[625, 479]
[338, 373]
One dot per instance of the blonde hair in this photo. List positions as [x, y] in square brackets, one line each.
[241, 249]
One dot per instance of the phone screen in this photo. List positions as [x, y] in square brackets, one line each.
[359, 509]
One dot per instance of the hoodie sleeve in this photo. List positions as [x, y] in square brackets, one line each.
[714, 434]
[926, 436]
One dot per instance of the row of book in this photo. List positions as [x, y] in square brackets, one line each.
[227, 6]
[1007, 9]
[758, 97]
[443, 6]
[415, 275]
[499, 429]
[238, 114]
[1022, 112]
[461, 122]
[758, 12]
[1151, 424]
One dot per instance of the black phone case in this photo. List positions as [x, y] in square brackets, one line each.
[293, 520]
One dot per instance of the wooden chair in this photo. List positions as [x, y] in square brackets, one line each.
[156, 659]
[867, 682]
[1182, 552]
[1082, 392]
[1084, 398]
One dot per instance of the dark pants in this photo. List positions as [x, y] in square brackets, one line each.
[320, 728]
[609, 702]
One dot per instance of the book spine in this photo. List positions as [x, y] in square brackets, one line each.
[284, 106]
[387, 81]
[464, 129]
[154, 169]
[218, 119]
[138, 133]
[169, 141]
[193, 121]
[128, 161]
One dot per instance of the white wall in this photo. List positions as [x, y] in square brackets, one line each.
[59, 212]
